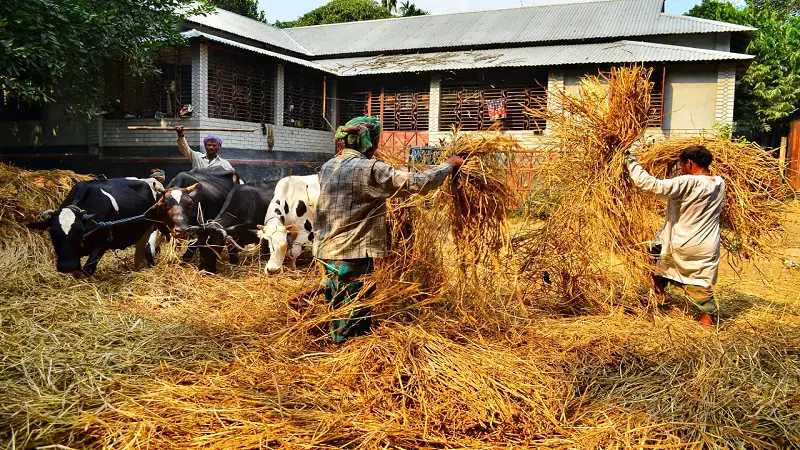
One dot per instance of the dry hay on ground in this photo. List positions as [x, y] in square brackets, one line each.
[173, 358]
[24, 194]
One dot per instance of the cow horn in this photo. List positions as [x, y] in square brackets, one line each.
[230, 239]
[46, 214]
[193, 187]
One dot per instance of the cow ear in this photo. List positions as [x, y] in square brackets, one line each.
[40, 225]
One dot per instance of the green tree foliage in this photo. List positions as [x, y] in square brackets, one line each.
[247, 8]
[56, 50]
[408, 9]
[340, 11]
[770, 90]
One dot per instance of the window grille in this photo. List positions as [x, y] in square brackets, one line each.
[658, 78]
[240, 86]
[303, 99]
[463, 101]
[165, 92]
[402, 102]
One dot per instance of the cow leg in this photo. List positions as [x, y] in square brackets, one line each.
[293, 253]
[208, 259]
[94, 258]
[187, 257]
[142, 255]
[233, 254]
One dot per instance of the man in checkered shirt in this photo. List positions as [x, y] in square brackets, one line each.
[351, 217]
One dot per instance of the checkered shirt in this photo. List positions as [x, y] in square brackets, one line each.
[351, 211]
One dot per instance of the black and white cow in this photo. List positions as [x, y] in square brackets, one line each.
[289, 223]
[73, 226]
[190, 199]
[236, 224]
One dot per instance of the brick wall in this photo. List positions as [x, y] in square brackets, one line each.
[287, 139]
[200, 80]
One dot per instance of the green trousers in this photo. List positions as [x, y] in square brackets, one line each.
[343, 283]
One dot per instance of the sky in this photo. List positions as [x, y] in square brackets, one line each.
[289, 10]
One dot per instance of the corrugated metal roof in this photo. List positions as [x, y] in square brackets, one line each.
[199, 34]
[550, 55]
[248, 28]
[605, 19]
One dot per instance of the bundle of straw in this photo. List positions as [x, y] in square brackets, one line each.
[480, 196]
[590, 243]
[753, 211]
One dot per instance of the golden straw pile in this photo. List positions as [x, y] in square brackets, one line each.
[24, 194]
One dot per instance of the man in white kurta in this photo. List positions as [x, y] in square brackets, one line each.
[690, 238]
[210, 158]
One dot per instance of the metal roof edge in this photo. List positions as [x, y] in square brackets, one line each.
[190, 34]
[683, 47]
[733, 26]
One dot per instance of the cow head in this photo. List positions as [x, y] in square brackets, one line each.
[279, 238]
[68, 227]
[176, 208]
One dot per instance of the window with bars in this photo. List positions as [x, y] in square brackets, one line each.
[401, 101]
[164, 93]
[241, 86]
[658, 78]
[466, 99]
[303, 99]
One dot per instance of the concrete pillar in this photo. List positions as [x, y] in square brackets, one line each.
[279, 89]
[433, 107]
[726, 90]
[333, 104]
[200, 80]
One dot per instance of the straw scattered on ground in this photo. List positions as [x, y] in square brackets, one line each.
[170, 357]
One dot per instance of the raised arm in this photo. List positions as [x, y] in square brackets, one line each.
[187, 151]
[673, 188]
[391, 182]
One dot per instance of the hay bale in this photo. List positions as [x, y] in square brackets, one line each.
[24, 194]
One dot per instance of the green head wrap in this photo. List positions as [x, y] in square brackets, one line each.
[361, 132]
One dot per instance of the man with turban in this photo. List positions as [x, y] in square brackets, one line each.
[210, 158]
[351, 217]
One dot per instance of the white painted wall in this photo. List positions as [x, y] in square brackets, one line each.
[690, 101]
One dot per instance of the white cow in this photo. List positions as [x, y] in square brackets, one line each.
[289, 224]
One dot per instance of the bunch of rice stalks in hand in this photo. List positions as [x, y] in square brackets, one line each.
[755, 191]
[480, 197]
[591, 242]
